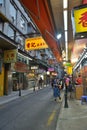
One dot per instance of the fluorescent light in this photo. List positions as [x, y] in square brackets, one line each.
[66, 36]
[65, 19]
[59, 36]
[82, 36]
[65, 4]
[65, 15]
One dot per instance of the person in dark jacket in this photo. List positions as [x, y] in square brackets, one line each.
[40, 82]
[70, 90]
[56, 90]
[52, 82]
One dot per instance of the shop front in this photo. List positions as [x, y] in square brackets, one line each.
[16, 67]
[19, 75]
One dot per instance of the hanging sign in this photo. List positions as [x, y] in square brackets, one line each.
[35, 43]
[68, 64]
[10, 56]
[34, 67]
[80, 19]
[50, 69]
[69, 70]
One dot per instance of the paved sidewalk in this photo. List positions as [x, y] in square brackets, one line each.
[74, 117]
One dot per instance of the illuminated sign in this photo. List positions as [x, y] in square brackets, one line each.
[34, 67]
[10, 56]
[54, 74]
[69, 70]
[35, 43]
[50, 69]
[68, 64]
[80, 19]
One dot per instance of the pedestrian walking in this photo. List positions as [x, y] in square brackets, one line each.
[52, 82]
[70, 90]
[34, 85]
[40, 83]
[56, 90]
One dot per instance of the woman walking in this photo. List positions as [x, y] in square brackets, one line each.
[56, 90]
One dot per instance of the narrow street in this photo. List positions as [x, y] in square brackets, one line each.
[36, 111]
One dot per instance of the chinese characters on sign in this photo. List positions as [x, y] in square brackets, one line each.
[83, 19]
[10, 56]
[20, 67]
[35, 43]
[80, 16]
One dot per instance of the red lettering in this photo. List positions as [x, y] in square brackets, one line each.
[41, 44]
[33, 44]
[12, 55]
[38, 45]
[7, 55]
[83, 19]
[28, 45]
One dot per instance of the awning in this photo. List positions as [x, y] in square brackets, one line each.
[40, 13]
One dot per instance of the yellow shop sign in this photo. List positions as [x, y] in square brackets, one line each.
[80, 16]
[69, 70]
[35, 43]
[10, 56]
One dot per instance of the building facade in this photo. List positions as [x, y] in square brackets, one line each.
[16, 62]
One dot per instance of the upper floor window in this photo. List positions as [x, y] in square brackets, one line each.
[30, 28]
[13, 12]
[22, 23]
[11, 32]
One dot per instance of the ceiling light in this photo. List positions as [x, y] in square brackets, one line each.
[65, 4]
[82, 36]
[65, 19]
[59, 36]
[66, 36]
